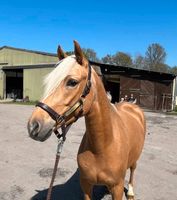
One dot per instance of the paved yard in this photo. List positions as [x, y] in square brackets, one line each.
[26, 165]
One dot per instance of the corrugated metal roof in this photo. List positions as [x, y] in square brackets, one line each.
[115, 69]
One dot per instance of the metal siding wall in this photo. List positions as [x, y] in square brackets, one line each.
[2, 56]
[16, 57]
[2, 84]
[2, 60]
[32, 82]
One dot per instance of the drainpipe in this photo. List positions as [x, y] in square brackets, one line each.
[174, 94]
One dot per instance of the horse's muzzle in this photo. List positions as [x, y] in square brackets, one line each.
[38, 132]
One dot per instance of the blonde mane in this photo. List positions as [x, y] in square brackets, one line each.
[54, 78]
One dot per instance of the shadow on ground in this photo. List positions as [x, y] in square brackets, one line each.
[71, 190]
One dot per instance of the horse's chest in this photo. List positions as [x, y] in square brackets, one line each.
[96, 170]
[87, 165]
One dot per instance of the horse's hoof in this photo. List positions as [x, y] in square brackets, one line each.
[130, 197]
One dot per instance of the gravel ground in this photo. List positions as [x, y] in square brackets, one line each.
[26, 165]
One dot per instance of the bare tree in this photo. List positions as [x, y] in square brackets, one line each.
[107, 59]
[139, 62]
[69, 53]
[90, 54]
[155, 57]
[173, 70]
[122, 59]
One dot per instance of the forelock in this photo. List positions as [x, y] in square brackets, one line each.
[55, 77]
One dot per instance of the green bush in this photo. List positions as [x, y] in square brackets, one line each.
[175, 109]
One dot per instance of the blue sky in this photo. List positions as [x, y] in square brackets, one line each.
[105, 26]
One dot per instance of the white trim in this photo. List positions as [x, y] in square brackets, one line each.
[174, 103]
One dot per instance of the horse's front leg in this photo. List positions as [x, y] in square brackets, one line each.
[130, 194]
[117, 191]
[87, 189]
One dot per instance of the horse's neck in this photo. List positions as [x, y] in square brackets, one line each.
[98, 120]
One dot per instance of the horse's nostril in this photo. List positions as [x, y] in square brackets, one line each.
[36, 125]
[33, 128]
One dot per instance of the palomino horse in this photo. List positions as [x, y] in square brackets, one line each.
[114, 135]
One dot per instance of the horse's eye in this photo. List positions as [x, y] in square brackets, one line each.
[71, 83]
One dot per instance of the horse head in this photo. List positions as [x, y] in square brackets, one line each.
[67, 95]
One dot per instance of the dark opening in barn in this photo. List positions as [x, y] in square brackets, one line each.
[114, 89]
[112, 86]
[14, 83]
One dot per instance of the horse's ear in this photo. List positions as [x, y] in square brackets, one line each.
[78, 53]
[61, 54]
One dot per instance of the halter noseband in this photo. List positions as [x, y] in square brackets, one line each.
[61, 119]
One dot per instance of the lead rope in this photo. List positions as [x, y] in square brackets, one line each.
[61, 140]
[59, 150]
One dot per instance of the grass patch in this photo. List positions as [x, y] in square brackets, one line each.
[20, 103]
[171, 113]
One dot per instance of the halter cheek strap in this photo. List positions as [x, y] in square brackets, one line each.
[88, 84]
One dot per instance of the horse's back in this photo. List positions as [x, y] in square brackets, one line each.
[134, 125]
[132, 110]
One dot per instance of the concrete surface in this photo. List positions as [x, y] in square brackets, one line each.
[26, 165]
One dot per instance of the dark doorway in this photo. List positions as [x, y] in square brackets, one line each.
[14, 84]
[114, 89]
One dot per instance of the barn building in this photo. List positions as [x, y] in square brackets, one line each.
[152, 90]
[22, 72]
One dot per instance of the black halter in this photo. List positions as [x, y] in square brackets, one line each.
[61, 119]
